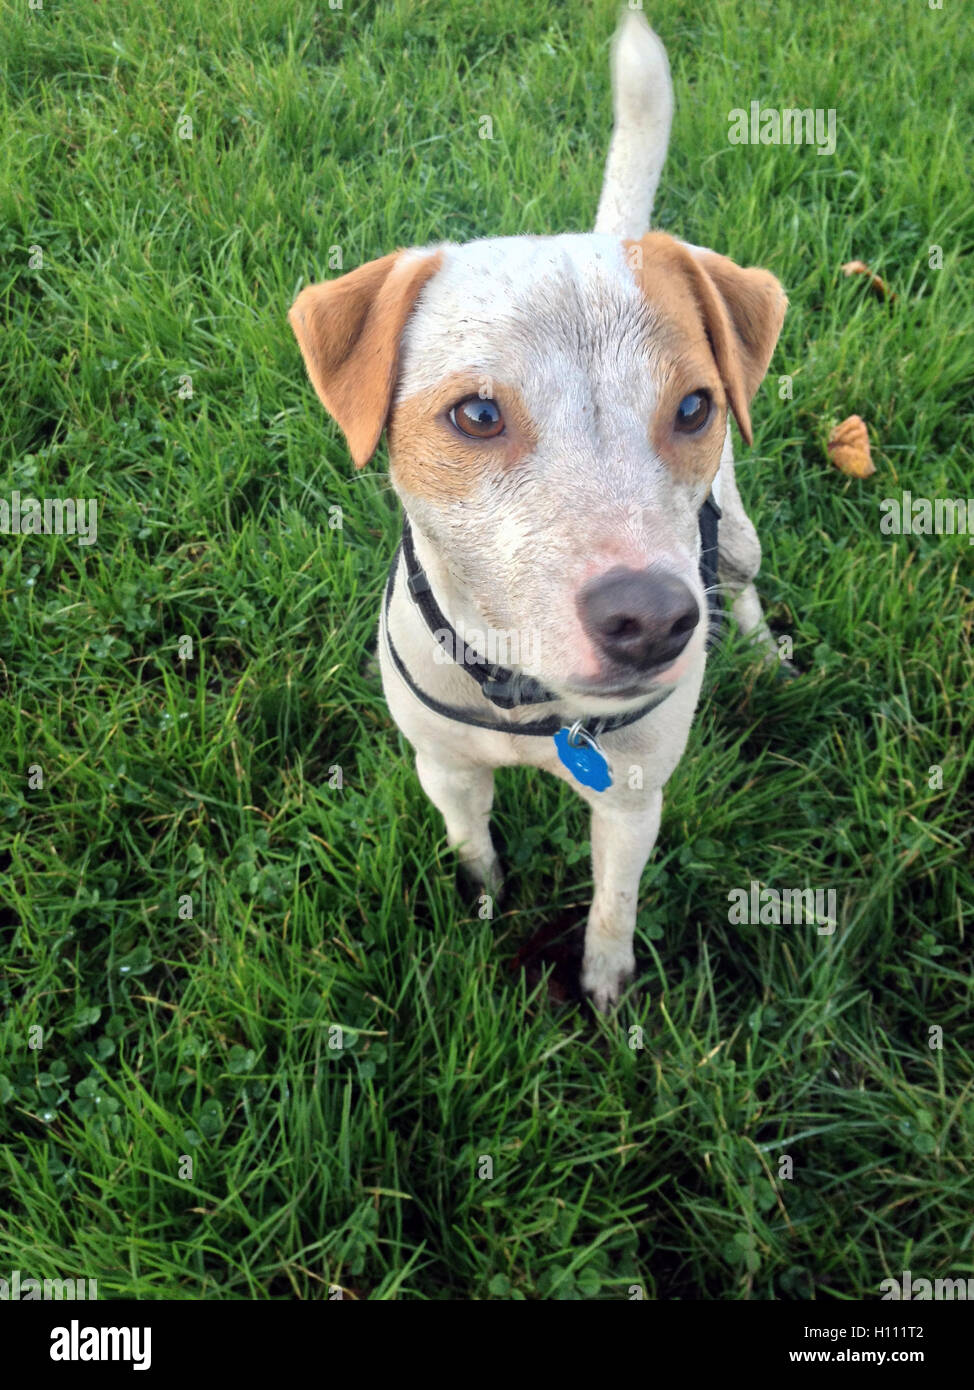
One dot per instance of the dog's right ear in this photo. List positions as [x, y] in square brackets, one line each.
[349, 331]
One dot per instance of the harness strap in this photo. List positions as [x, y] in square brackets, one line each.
[508, 689]
[538, 728]
[710, 515]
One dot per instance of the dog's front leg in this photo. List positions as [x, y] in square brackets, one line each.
[622, 840]
[463, 793]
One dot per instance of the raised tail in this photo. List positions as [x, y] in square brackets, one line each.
[642, 97]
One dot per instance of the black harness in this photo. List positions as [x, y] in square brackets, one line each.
[506, 688]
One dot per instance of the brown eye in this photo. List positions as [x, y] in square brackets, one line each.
[692, 413]
[478, 419]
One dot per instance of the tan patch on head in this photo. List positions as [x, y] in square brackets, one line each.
[430, 458]
[349, 332]
[716, 327]
[682, 357]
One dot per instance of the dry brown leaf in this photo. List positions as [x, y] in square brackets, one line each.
[849, 448]
[878, 285]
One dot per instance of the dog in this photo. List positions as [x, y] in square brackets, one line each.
[557, 411]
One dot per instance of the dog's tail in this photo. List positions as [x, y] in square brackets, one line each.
[642, 95]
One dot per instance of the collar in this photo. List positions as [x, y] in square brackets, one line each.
[506, 688]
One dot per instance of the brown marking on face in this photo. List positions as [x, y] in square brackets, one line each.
[715, 327]
[692, 458]
[682, 358]
[429, 457]
[349, 332]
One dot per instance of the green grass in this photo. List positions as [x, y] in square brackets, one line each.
[314, 907]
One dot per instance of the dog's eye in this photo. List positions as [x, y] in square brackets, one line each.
[693, 412]
[478, 419]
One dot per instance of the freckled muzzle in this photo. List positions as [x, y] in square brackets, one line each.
[638, 620]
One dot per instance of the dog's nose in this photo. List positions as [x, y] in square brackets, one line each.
[638, 618]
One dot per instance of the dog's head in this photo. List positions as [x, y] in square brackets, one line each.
[556, 408]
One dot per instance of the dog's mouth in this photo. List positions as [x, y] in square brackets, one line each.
[611, 692]
[624, 686]
[608, 697]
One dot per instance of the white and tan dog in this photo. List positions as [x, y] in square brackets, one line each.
[557, 412]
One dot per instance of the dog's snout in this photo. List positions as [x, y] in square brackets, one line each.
[638, 618]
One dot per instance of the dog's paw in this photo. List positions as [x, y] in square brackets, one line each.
[783, 670]
[605, 974]
[481, 883]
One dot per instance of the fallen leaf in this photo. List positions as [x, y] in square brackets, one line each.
[879, 285]
[848, 448]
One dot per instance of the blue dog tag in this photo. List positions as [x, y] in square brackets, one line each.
[583, 757]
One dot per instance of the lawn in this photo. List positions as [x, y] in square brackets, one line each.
[252, 1043]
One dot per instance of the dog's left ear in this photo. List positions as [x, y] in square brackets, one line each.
[349, 331]
[744, 311]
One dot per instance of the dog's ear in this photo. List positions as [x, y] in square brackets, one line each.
[349, 331]
[744, 311]
[741, 310]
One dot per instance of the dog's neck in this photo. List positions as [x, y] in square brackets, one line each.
[457, 605]
[518, 697]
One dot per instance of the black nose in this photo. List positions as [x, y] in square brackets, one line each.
[638, 618]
